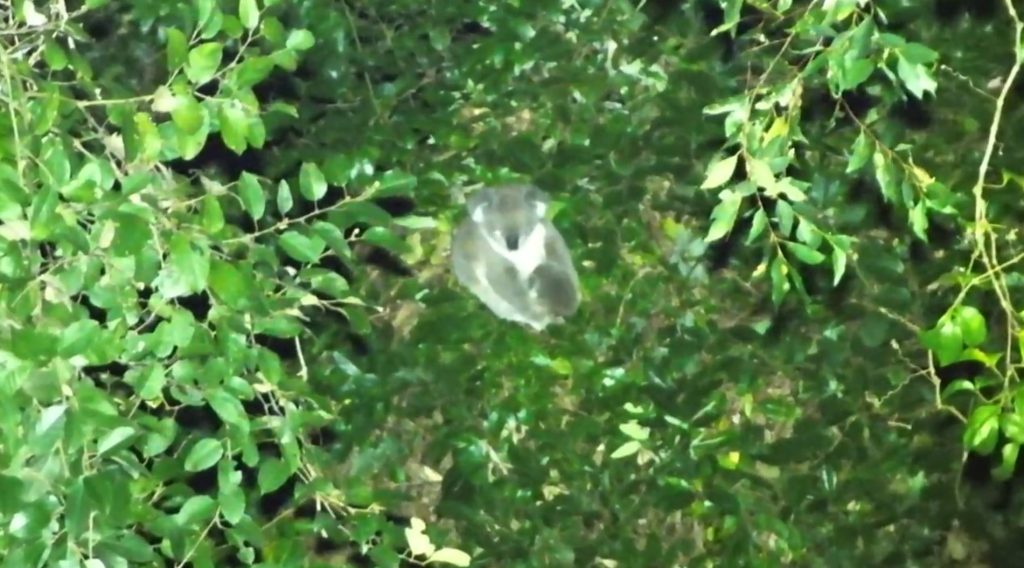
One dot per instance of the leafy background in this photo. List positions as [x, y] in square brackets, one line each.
[229, 335]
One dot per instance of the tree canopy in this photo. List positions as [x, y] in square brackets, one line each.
[230, 335]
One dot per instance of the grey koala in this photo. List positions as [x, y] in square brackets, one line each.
[513, 259]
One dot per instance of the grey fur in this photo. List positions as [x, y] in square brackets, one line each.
[520, 275]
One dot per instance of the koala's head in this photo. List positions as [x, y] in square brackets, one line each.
[508, 215]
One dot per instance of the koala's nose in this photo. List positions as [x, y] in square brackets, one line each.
[512, 242]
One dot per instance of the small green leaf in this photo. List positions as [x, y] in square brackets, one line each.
[863, 147]
[234, 127]
[946, 340]
[252, 71]
[625, 450]
[231, 499]
[284, 197]
[300, 40]
[838, 264]
[956, 386]
[55, 56]
[724, 216]
[982, 430]
[248, 13]
[252, 196]
[758, 225]
[43, 213]
[635, 430]
[450, 556]
[759, 172]
[972, 325]
[916, 78]
[212, 214]
[1006, 467]
[917, 53]
[272, 475]
[189, 115]
[227, 283]
[204, 455]
[300, 247]
[804, 253]
[229, 409]
[1013, 426]
[203, 62]
[312, 184]
[719, 172]
[78, 337]
[177, 49]
[116, 438]
[394, 182]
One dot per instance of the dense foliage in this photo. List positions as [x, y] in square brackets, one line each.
[229, 334]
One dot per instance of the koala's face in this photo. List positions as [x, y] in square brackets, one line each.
[508, 216]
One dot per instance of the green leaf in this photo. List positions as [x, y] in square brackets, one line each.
[312, 184]
[234, 127]
[720, 172]
[252, 196]
[450, 556]
[78, 337]
[212, 214]
[227, 283]
[189, 115]
[204, 455]
[272, 475]
[915, 77]
[300, 40]
[115, 439]
[885, 175]
[231, 499]
[42, 216]
[625, 450]
[1008, 464]
[759, 172]
[723, 216]
[334, 238]
[972, 325]
[203, 62]
[229, 409]
[197, 511]
[177, 49]
[248, 14]
[982, 430]
[855, 72]
[758, 225]
[956, 386]
[1013, 426]
[284, 197]
[300, 247]
[148, 137]
[394, 182]
[55, 56]
[917, 53]
[804, 253]
[187, 270]
[945, 340]
[780, 283]
[635, 430]
[863, 148]
[252, 71]
[838, 264]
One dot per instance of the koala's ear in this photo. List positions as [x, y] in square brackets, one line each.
[541, 207]
[477, 202]
[476, 212]
[540, 200]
